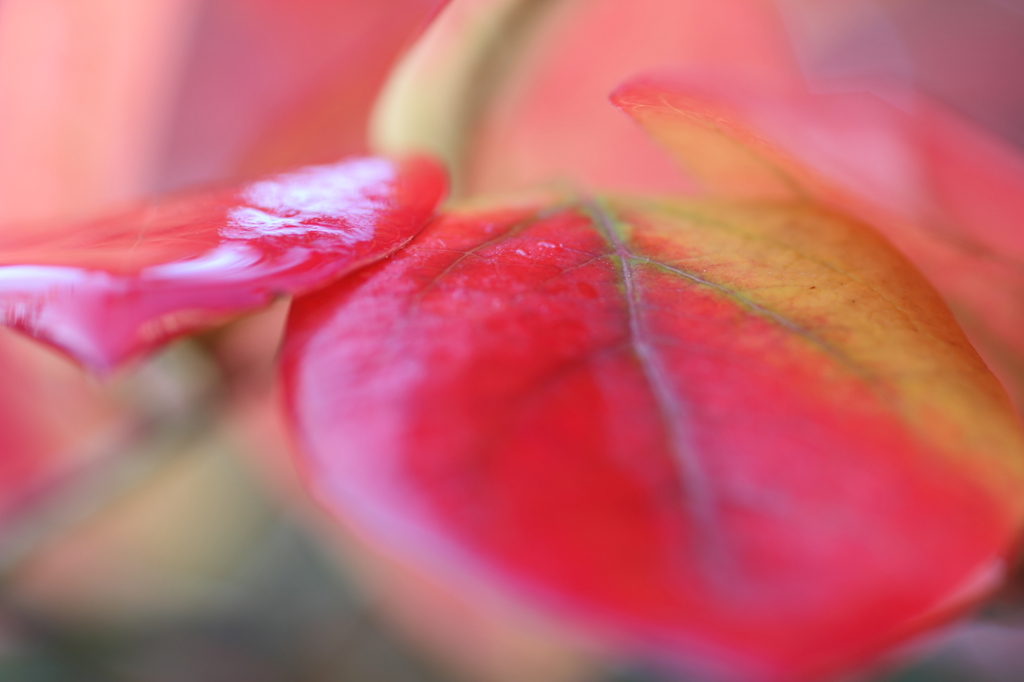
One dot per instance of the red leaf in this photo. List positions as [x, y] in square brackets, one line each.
[947, 195]
[749, 438]
[109, 290]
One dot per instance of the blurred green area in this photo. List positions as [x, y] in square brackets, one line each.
[290, 617]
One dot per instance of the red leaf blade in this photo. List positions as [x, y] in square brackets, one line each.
[708, 429]
[105, 292]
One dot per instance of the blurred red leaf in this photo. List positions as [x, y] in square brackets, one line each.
[109, 290]
[946, 194]
[269, 85]
[104, 102]
[85, 92]
[747, 436]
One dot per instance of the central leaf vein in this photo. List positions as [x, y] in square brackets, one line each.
[700, 500]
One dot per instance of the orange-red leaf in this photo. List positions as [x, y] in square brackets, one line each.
[109, 290]
[947, 195]
[747, 438]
